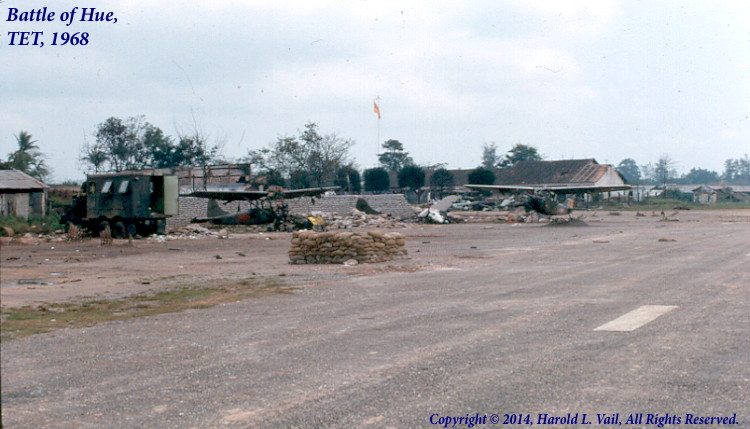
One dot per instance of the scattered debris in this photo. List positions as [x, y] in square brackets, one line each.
[189, 232]
[31, 282]
[74, 232]
[446, 203]
[665, 239]
[433, 215]
[360, 219]
[572, 221]
[670, 218]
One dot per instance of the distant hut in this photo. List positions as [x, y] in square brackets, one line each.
[22, 195]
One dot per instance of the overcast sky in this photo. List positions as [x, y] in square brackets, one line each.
[576, 79]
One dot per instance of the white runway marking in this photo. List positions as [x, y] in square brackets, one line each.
[636, 318]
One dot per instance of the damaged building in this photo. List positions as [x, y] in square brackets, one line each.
[22, 195]
[570, 172]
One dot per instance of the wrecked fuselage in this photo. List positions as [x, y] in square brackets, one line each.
[260, 216]
[545, 205]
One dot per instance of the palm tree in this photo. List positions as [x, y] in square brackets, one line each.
[23, 157]
[27, 157]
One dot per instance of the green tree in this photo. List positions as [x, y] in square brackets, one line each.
[319, 156]
[394, 158]
[348, 179]
[193, 149]
[440, 180]
[520, 152]
[629, 170]
[737, 170]
[160, 149]
[94, 156]
[28, 158]
[273, 177]
[300, 179]
[117, 139]
[482, 176]
[355, 181]
[490, 158]
[377, 180]
[664, 171]
[698, 176]
[133, 143]
[411, 177]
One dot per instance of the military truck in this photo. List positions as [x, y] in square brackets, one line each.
[131, 203]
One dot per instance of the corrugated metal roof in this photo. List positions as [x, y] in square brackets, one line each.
[18, 180]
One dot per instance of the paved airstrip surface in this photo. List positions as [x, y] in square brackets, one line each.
[485, 318]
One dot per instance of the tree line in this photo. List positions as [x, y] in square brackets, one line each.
[133, 144]
[662, 172]
[311, 158]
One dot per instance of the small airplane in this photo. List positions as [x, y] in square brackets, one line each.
[268, 206]
[541, 199]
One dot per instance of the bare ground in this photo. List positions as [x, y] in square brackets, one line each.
[46, 272]
[484, 318]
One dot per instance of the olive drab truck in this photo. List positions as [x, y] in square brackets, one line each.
[132, 204]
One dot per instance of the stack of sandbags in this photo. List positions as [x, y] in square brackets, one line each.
[310, 247]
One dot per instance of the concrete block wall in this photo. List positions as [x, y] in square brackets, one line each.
[192, 207]
[342, 205]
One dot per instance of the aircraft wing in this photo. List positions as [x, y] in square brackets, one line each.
[229, 196]
[305, 192]
[558, 189]
[501, 188]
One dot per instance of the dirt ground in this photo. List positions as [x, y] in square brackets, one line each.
[42, 271]
[484, 317]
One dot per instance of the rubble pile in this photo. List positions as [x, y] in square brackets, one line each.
[34, 238]
[192, 231]
[360, 219]
[310, 247]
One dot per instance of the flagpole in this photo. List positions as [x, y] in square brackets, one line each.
[377, 142]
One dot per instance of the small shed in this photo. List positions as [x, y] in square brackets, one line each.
[22, 195]
[712, 194]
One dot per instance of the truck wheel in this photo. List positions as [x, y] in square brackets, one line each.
[131, 230]
[118, 231]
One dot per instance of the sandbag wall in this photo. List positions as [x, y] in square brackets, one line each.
[310, 247]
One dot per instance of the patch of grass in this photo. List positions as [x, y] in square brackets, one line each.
[37, 224]
[23, 321]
